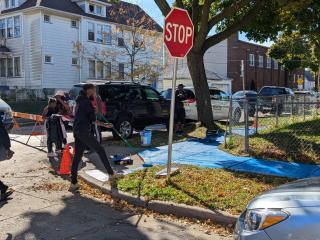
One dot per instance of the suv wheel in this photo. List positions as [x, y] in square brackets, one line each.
[124, 127]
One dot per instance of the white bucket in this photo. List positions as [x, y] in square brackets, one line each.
[146, 137]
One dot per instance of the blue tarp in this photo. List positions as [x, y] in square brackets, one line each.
[205, 153]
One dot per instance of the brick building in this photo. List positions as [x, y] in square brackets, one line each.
[223, 67]
[259, 69]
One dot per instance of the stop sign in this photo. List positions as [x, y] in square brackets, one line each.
[178, 32]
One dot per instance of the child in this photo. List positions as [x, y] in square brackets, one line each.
[47, 113]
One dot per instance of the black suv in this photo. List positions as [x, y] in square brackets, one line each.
[272, 99]
[130, 106]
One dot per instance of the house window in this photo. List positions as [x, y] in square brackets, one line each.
[121, 71]
[251, 60]
[91, 8]
[74, 23]
[120, 42]
[17, 67]
[7, 3]
[48, 59]
[13, 3]
[120, 39]
[91, 36]
[107, 34]
[75, 61]
[3, 70]
[268, 62]
[107, 70]
[99, 33]
[260, 61]
[10, 27]
[17, 26]
[2, 28]
[92, 69]
[275, 64]
[83, 7]
[10, 67]
[98, 10]
[46, 18]
[100, 70]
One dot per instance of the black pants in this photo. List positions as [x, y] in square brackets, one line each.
[50, 144]
[3, 188]
[81, 142]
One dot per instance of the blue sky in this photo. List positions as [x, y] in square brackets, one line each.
[152, 9]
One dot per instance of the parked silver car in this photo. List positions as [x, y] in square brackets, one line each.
[291, 211]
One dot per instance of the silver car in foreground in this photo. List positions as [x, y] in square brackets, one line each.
[291, 211]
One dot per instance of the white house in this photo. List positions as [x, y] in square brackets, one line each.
[215, 60]
[38, 39]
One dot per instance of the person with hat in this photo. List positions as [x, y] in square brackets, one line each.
[180, 112]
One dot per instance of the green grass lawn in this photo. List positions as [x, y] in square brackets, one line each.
[293, 141]
[216, 189]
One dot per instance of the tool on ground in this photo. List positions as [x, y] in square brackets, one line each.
[65, 162]
[120, 136]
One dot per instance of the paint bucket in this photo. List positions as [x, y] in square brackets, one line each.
[146, 136]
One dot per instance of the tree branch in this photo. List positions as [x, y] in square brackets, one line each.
[203, 31]
[195, 13]
[249, 16]
[163, 6]
[227, 12]
[179, 3]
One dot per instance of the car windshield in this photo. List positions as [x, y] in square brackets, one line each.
[74, 92]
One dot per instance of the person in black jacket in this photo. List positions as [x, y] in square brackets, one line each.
[5, 146]
[84, 118]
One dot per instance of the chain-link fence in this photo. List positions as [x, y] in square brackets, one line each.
[276, 126]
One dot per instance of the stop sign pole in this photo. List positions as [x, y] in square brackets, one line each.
[178, 38]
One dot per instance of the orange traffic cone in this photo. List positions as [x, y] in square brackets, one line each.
[65, 162]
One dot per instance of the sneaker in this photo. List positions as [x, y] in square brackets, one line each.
[51, 154]
[58, 151]
[74, 187]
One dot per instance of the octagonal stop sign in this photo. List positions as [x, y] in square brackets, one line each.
[178, 32]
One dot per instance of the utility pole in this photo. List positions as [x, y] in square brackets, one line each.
[242, 76]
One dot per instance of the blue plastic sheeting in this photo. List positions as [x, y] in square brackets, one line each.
[205, 153]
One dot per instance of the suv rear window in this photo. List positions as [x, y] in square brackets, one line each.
[272, 91]
[112, 93]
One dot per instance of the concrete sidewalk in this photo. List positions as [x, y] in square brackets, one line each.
[42, 208]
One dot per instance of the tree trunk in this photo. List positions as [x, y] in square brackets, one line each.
[200, 83]
[132, 65]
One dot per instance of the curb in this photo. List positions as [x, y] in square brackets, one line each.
[177, 209]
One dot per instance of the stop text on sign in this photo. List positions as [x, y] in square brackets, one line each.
[178, 33]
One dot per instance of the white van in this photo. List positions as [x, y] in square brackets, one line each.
[220, 102]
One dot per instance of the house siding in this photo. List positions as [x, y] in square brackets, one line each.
[32, 51]
[58, 38]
